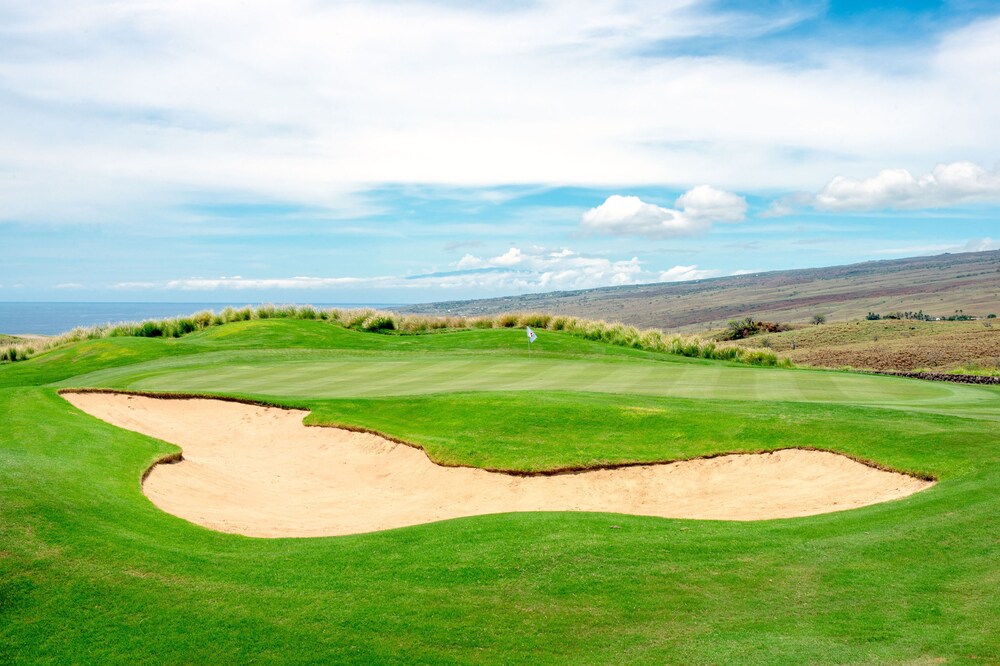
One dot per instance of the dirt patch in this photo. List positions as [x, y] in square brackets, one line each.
[258, 471]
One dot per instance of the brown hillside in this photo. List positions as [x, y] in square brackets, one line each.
[938, 285]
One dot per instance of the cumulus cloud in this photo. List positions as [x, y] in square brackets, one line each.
[556, 269]
[696, 210]
[947, 184]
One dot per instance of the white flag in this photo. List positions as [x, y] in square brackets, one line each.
[531, 335]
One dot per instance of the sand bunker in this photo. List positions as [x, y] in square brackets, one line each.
[259, 471]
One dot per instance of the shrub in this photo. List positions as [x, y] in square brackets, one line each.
[535, 320]
[652, 340]
[185, 326]
[203, 319]
[730, 353]
[378, 322]
[738, 329]
[150, 329]
[819, 319]
[354, 318]
[760, 357]
[558, 323]
[508, 320]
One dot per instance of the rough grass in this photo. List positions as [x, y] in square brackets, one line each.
[373, 321]
[940, 346]
[91, 572]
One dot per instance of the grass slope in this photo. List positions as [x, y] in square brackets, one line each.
[91, 572]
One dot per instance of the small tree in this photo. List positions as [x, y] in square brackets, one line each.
[819, 319]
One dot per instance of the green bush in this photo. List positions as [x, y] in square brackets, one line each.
[738, 329]
[508, 320]
[535, 320]
[378, 322]
[150, 329]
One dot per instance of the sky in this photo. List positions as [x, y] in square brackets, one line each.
[400, 152]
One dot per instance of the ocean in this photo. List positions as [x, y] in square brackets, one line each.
[52, 318]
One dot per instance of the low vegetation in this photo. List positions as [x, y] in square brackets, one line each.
[919, 315]
[374, 321]
[893, 343]
[739, 329]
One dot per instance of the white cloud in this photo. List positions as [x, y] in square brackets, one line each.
[981, 245]
[946, 185]
[684, 273]
[707, 203]
[973, 245]
[71, 286]
[516, 270]
[332, 98]
[697, 209]
[237, 282]
[554, 269]
[918, 250]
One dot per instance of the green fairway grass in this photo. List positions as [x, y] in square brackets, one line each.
[92, 572]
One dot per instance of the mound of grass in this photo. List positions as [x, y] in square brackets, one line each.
[372, 321]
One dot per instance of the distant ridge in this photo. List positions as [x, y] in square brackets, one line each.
[938, 285]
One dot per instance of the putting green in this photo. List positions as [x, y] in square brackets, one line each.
[338, 376]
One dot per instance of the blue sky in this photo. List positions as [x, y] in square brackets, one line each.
[399, 151]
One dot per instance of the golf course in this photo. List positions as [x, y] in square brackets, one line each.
[95, 570]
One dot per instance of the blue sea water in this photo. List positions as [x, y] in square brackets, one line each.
[45, 318]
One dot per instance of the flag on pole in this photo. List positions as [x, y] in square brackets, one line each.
[531, 335]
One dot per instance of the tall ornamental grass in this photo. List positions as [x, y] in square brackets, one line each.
[376, 321]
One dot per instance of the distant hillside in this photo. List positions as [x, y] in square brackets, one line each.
[937, 285]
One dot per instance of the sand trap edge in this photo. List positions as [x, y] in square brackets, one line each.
[557, 471]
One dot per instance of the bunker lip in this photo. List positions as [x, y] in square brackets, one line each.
[548, 471]
[254, 469]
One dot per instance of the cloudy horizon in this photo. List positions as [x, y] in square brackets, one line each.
[401, 152]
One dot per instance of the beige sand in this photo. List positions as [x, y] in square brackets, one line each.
[259, 471]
